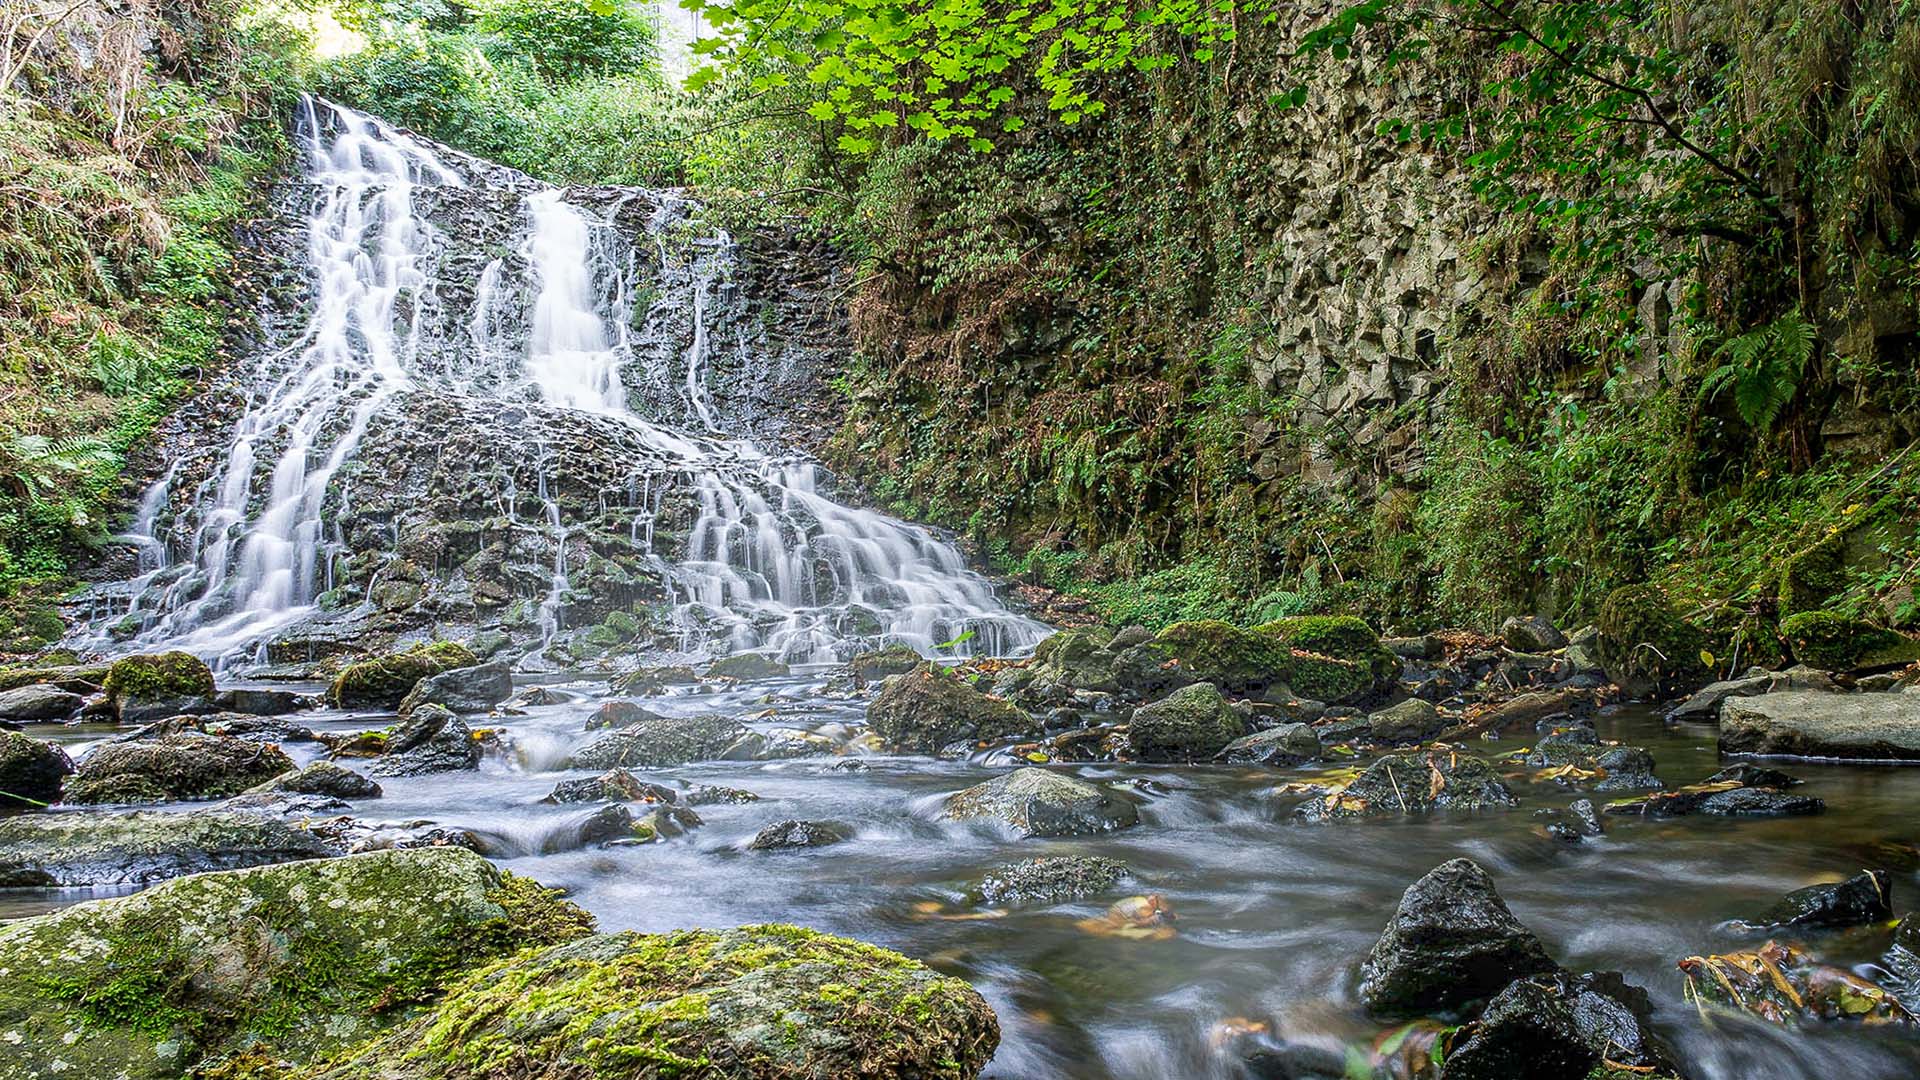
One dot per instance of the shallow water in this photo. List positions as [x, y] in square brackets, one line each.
[1273, 916]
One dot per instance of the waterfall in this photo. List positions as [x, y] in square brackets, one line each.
[772, 562]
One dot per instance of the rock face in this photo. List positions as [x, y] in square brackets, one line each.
[1036, 802]
[132, 849]
[1413, 784]
[661, 742]
[1860, 900]
[1053, 880]
[384, 682]
[1810, 723]
[187, 766]
[463, 690]
[148, 688]
[31, 771]
[294, 960]
[1452, 941]
[753, 1003]
[1283, 744]
[930, 708]
[432, 740]
[38, 704]
[1193, 723]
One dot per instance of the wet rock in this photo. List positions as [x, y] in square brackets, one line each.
[607, 824]
[661, 743]
[1532, 634]
[791, 833]
[249, 728]
[1808, 723]
[1903, 957]
[384, 682]
[39, 704]
[259, 702]
[779, 744]
[72, 849]
[178, 767]
[876, 664]
[279, 962]
[1526, 1033]
[1780, 983]
[930, 708]
[1705, 703]
[1615, 1018]
[1726, 799]
[1413, 784]
[716, 794]
[31, 771]
[1036, 802]
[746, 1004]
[614, 715]
[1576, 823]
[432, 740]
[1421, 647]
[1747, 774]
[748, 667]
[1411, 721]
[1451, 941]
[1647, 646]
[1577, 755]
[285, 804]
[147, 688]
[1193, 723]
[545, 695]
[1283, 744]
[464, 690]
[1860, 900]
[666, 822]
[324, 778]
[653, 681]
[614, 785]
[1054, 880]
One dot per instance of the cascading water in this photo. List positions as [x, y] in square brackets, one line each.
[771, 562]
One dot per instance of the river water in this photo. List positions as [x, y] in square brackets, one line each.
[1273, 915]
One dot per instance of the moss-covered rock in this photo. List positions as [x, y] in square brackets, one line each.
[1812, 577]
[1646, 646]
[150, 687]
[30, 771]
[759, 1002]
[384, 682]
[1237, 661]
[1193, 723]
[1075, 659]
[876, 664]
[748, 667]
[930, 708]
[287, 961]
[1344, 659]
[1835, 642]
[186, 766]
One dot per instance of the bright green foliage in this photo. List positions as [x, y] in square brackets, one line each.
[567, 40]
[1763, 369]
[1835, 642]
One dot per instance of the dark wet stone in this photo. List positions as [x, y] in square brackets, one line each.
[62, 849]
[614, 715]
[784, 835]
[39, 703]
[1052, 880]
[1284, 744]
[1527, 1032]
[661, 742]
[324, 778]
[474, 689]
[1627, 768]
[614, 785]
[543, 695]
[432, 740]
[1750, 775]
[716, 794]
[286, 804]
[1721, 801]
[31, 771]
[1414, 784]
[1450, 942]
[187, 766]
[1193, 723]
[1576, 823]
[748, 667]
[605, 825]
[930, 708]
[258, 702]
[665, 822]
[1860, 900]
[1036, 802]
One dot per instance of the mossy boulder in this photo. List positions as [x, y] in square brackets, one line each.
[1036, 802]
[748, 667]
[752, 1003]
[1075, 659]
[876, 664]
[1834, 642]
[1053, 879]
[661, 742]
[62, 849]
[1812, 577]
[151, 687]
[30, 771]
[1237, 661]
[1646, 645]
[286, 962]
[384, 682]
[930, 708]
[1337, 658]
[185, 766]
[1193, 723]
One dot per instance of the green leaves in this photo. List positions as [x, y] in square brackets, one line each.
[1763, 368]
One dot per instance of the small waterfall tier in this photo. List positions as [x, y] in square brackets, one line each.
[483, 406]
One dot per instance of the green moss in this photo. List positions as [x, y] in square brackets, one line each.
[1812, 577]
[385, 681]
[160, 677]
[1211, 650]
[1646, 645]
[1332, 635]
[1836, 642]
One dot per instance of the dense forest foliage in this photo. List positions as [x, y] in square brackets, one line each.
[1435, 310]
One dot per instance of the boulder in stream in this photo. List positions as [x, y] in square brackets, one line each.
[614, 715]
[614, 785]
[931, 708]
[384, 682]
[1193, 723]
[1437, 779]
[747, 667]
[1861, 900]
[432, 740]
[1527, 1032]
[791, 833]
[1052, 880]
[151, 687]
[1282, 744]
[31, 771]
[178, 767]
[256, 701]
[1812, 723]
[1450, 942]
[89, 849]
[751, 1003]
[1409, 723]
[1036, 802]
[474, 689]
[286, 963]
[1727, 798]
[38, 704]
[661, 742]
[322, 778]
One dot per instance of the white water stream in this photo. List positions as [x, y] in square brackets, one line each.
[773, 563]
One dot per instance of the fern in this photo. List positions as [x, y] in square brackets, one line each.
[1764, 368]
[31, 465]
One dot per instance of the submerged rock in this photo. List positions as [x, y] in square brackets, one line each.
[661, 742]
[432, 740]
[1052, 880]
[74, 849]
[1036, 802]
[1283, 744]
[752, 1003]
[39, 704]
[792, 833]
[930, 708]
[464, 690]
[1193, 723]
[189, 766]
[1862, 899]
[384, 682]
[31, 771]
[287, 962]
[147, 688]
[1811, 723]
[1450, 942]
[1413, 784]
